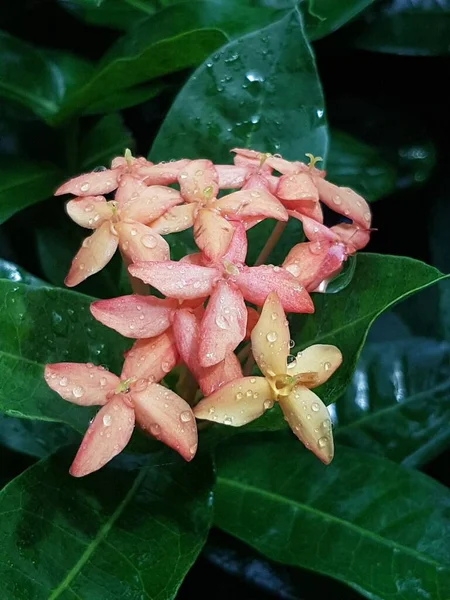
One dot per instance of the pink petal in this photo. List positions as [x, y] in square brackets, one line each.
[251, 203]
[300, 208]
[252, 319]
[259, 181]
[256, 283]
[315, 432]
[140, 243]
[90, 184]
[144, 204]
[151, 359]
[212, 234]
[80, 383]
[315, 231]
[352, 236]
[237, 250]
[299, 186]
[313, 262]
[135, 316]
[107, 436]
[162, 173]
[211, 379]
[199, 181]
[95, 252]
[224, 324]
[231, 176]
[345, 202]
[253, 155]
[168, 418]
[237, 403]
[178, 218]
[286, 167]
[270, 338]
[177, 279]
[321, 359]
[89, 212]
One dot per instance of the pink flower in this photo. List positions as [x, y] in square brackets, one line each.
[245, 399]
[210, 216]
[134, 397]
[228, 282]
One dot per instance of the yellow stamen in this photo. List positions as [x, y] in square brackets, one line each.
[313, 160]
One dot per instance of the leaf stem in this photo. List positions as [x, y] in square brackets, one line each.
[271, 242]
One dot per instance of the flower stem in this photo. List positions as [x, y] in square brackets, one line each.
[271, 242]
[138, 286]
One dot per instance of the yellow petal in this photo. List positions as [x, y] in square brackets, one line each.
[322, 359]
[309, 419]
[237, 403]
[270, 337]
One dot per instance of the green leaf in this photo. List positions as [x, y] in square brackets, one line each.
[409, 28]
[23, 183]
[260, 91]
[322, 17]
[37, 79]
[116, 534]
[352, 163]
[116, 14]
[363, 520]
[125, 98]
[398, 404]
[106, 140]
[45, 325]
[13, 272]
[176, 38]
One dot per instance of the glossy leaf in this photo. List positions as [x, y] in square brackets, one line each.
[44, 325]
[23, 183]
[132, 534]
[125, 98]
[260, 91]
[13, 272]
[404, 27]
[322, 17]
[352, 163]
[107, 139]
[116, 14]
[363, 520]
[175, 38]
[398, 403]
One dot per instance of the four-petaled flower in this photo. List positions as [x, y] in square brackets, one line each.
[247, 398]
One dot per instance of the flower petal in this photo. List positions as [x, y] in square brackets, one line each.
[90, 184]
[140, 243]
[345, 202]
[212, 234]
[224, 324]
[177, 279]
[89, 212]
[313, 262]
[199, 181]
[298, 208]
[231, 176]
[299, 186]
[352, 236]
[107, 436]
[314, 230]
[135, 316]
[270, 338]
[252, 319]
[145, 204]
[309, 419]
[251, 203]
[80, 383]
[256, 283]
[262, 181]
[322, 359]
[162, 173]
[168, 418]
[237, 403]
[178, 218]
[95, 252]
[211, 379]
[151, 359]
[237, 250]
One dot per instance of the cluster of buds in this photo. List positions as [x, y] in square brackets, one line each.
[213, 301]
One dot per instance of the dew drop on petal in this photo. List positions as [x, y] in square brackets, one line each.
[149, 241]
[63, 382]
[155, 429]
[193, 449]
[239, 396]
[221, 322]
[78, 391]
[165, 366]
[326, 424]
[228, 420]
[337, 200]
[89, 208]
[367, 216]
[327, 366]
[315, 407]
[107, 420]
[212, 410]
[268, 404]
[185, 416]
[84, 187]
[253, 380]
[249, 393]
[103, 381]
[274, 316]
[272, 336]
[133, 231]
[323, 441]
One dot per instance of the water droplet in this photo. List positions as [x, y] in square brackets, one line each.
[291, 343]
[107, 420]
[253, 380]
[149, 241]
[133, 231]
[212, 410]
[367, 216]
[78, 391]
[315, 247]
[155, 429]
[228, 420]
[327, 366]
[185, 416]
[274, 316]
[239, 396]
[84, 187]
[89, 208]
[268, 404]
[165, 366]
[323, 441]
[103, 381]
[337, 200]
[291, 362]
[272, 336]
[63, 381]
[183, 175]
[315, 407]
[193, 449]
[326, 424]
[249, 393]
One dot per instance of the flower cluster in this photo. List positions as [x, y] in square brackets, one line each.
[211, 298]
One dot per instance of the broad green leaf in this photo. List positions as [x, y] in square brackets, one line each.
[44, 325]
[398, 403]
[363, 520]
[325, 16]
[13, 272]
[404, 27]
[23, 183]
[116, 534]
[352, 163]
[37, 79]
[117, 14]
[260, 91]
[125, 98]
[176, 38]
[107, 139]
